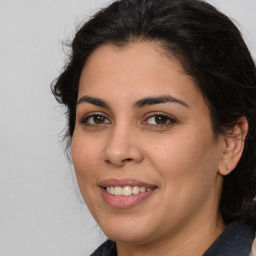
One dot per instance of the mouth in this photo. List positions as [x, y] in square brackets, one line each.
[125, 193]
[127, 190]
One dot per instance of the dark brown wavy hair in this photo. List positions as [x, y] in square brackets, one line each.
[211, 50]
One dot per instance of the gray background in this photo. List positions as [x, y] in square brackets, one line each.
[41, 212]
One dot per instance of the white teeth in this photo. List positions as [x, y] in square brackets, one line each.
[142, 189]
[118, 191]
[111, 190]
[135, 190]
[127, 190]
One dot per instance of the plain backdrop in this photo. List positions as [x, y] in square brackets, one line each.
[41, 210]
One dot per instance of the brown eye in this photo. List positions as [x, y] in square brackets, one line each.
[160, 120]
[95, 120]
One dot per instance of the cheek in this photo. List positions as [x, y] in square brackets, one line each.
[85, 157]
[186, 163]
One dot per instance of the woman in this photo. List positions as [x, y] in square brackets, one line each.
[161, 101]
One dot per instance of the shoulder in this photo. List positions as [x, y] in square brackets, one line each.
[236, 240]
[108, 248]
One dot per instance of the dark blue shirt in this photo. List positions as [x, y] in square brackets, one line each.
[235, 240]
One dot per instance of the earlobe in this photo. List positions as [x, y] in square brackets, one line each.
[233, 148]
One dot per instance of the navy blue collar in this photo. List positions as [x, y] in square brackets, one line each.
[235, 240]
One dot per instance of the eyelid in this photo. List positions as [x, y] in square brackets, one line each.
[172, 119]
[91, 114]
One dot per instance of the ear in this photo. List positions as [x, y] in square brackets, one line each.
[233, 147]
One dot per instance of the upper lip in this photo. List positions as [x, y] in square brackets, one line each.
[125, 182]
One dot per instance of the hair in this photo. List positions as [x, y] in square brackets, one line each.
[211, 50]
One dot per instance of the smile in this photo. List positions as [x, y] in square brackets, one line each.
[127, 190]
[125, 193]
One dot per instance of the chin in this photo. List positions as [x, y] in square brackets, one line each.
[127, 231]
[129, 237]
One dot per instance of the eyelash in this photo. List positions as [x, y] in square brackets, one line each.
[94, 115]
[170, 120]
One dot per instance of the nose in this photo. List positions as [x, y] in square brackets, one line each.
[122, 147]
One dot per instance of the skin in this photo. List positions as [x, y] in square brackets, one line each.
[183, 158]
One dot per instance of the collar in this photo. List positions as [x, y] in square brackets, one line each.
[235, 240]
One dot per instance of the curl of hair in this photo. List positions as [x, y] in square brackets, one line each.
[211, 51]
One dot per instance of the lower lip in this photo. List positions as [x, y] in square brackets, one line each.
[124, 201]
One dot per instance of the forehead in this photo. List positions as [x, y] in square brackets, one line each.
[138, 56]
[137, 70]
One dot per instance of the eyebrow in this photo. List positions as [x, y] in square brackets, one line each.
[95, 101]
[138, 104]
[158, 100]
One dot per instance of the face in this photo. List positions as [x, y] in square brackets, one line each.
[143, 149]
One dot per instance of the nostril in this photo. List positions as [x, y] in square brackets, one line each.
[127, 160]
[118, 162]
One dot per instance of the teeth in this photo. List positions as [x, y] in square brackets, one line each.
[142, 189]
[118, 191]
[127, 190]
[111, 190]
[135, 190]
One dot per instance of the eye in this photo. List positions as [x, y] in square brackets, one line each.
[95, 119]
[160, 120]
